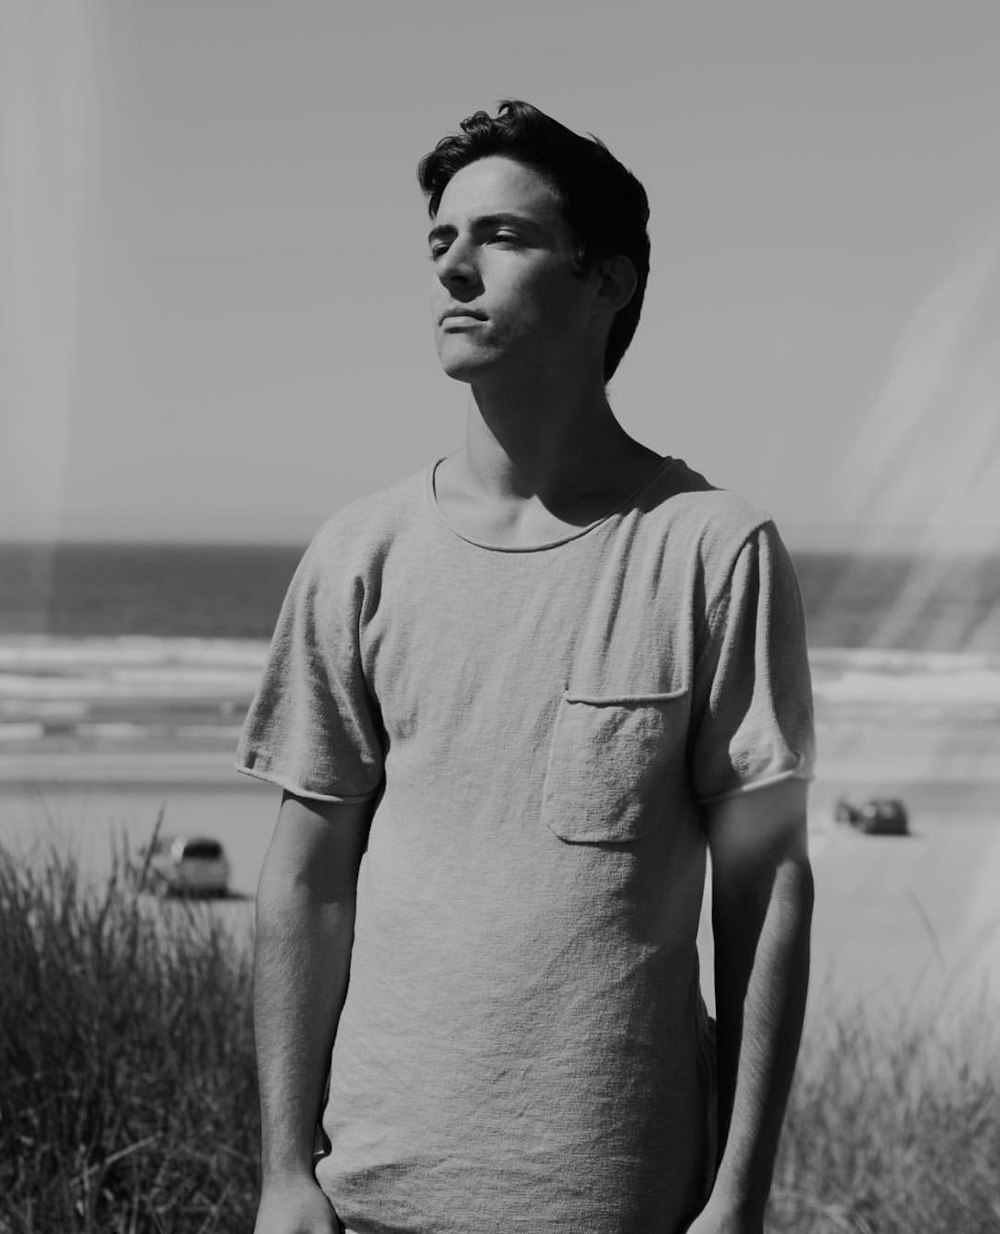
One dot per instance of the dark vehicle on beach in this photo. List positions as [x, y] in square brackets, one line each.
[183, 865]
[879, 816]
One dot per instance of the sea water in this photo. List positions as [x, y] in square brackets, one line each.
[137, 652]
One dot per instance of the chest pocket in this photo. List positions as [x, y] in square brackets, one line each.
[613, 763]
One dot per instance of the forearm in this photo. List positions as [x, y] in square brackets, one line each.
[760, 1005]
[301, 963]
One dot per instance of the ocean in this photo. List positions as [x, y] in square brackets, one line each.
[136, 648]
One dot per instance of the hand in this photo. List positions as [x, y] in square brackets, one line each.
[296, 1207]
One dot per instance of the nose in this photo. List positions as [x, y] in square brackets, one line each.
[457, 269]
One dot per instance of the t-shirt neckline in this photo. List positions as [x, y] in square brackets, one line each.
[576, 534]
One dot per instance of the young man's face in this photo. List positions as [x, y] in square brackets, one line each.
[505, 298]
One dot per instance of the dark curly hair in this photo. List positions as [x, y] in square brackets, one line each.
[604, 205]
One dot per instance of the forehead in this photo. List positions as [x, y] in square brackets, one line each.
[498, 185]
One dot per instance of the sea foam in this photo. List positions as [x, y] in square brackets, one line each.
[57, 679]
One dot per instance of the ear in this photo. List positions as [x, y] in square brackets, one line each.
[617, 284]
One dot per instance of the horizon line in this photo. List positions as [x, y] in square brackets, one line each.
[828, 544]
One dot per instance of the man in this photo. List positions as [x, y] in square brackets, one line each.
[513, 703]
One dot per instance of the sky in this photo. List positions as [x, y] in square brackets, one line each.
[214, 282]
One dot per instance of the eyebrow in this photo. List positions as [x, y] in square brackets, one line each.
[484, 223]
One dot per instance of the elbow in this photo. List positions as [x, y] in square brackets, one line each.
[794, 888]
[804, 885]
[790, 912]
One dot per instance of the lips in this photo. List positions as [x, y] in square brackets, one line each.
[467, 313]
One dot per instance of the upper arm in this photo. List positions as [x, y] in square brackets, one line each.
[752, 835]
[314, 726]
[751, 699]
[317, 846]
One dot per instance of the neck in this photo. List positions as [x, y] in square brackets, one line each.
[546, 440]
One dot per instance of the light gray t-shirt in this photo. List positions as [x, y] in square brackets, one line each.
[523, 1045]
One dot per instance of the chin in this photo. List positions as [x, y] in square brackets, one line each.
[463, 366]
[463, 372]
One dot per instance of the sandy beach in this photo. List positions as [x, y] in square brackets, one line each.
[904, 926]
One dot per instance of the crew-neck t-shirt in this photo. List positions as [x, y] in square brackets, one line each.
[523, 1042]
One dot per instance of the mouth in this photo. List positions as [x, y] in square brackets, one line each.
[460, 315]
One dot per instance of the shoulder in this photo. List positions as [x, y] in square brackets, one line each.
[361, 532]
[344, 562]
[712, 527]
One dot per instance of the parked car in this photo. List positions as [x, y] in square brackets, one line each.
[878, 816]
[184, 865]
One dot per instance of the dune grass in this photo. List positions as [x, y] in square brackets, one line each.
[128, 1101]
[893, 1128]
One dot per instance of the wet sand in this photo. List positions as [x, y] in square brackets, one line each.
[903, 925]
[907, 925]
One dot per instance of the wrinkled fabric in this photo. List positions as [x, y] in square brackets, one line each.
[523, 1042]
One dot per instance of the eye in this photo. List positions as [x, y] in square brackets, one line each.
[505, 236]
[437, 250]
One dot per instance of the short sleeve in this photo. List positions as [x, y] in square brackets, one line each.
[313, 727]
[752, 714]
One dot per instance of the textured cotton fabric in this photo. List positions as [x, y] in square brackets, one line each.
[523, 1043]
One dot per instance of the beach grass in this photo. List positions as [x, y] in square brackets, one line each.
[128, 1101]
[128, 1098]
[893, 1126]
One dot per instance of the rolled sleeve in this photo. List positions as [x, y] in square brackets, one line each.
[313, 727]
[752, 713]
